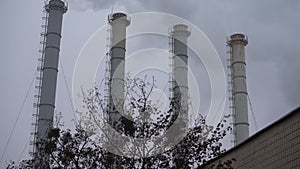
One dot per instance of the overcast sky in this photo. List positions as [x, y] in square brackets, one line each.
[272, 27]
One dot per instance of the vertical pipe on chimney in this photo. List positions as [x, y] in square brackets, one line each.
[180, 34]
[237, 45]
[56, 9]
[118, 22]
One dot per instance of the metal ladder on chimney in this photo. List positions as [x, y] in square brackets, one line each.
[230, 93]
[171, 67]
[107, 77]
[38, 81]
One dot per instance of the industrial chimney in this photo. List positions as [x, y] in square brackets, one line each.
[179, 35]
[46, 105]
[118, 22]
[237, 43]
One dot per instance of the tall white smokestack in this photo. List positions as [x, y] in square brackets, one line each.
[237, 45]
[118, 22]
[180, 34]
[55, 9]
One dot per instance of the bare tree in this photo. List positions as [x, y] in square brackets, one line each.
[88, 146]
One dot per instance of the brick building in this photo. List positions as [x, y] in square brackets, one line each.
[276, 146]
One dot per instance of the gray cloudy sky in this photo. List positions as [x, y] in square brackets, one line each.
[272, 26]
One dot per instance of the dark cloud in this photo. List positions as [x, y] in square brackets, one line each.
[133, 6]
[91, 4]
